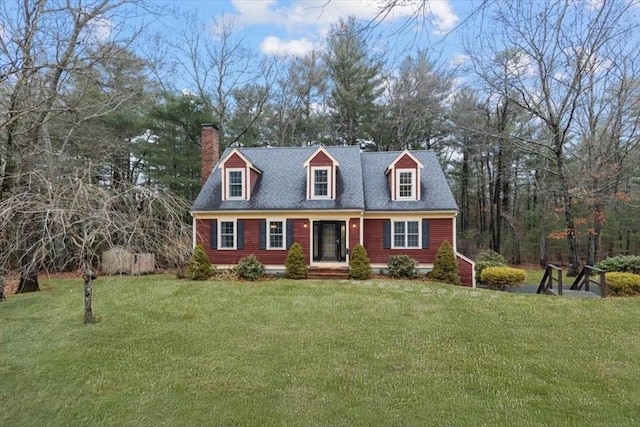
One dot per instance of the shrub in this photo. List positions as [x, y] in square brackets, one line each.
[359, 263]
[199, 264]
[488, 259]
[445, 267]
[250, 268]
[402, 266]
[296, 267]
[621, 263]
[502, 277]
[619, 283]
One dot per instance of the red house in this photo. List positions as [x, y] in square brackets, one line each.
[261, 200]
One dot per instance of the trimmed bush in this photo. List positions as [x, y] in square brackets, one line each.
[250, 268]
[445, 267]
[619, 283]
[402, 267]
[199, 264]
[621, 263]
[296, 267]
[359, 263]
[488, 259]
[502, 277]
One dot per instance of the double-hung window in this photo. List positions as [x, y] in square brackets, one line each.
[275, 230]
[406, 184]
[235, 184]
[320, 182]
[227, 235]
[406, 234]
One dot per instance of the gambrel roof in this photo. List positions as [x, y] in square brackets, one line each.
[361, 182]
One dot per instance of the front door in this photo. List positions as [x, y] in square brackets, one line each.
[329, 241]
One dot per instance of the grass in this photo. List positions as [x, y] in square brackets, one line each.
[178, 353]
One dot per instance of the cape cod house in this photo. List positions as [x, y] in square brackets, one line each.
[261, 200]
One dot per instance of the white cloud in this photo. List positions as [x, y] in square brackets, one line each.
[100, 29]
[276, 46]
[304, 20]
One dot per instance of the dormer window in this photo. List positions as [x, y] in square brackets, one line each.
[239, 176]
[403, 176]
[406, 182]
[320, 182]
[321, 170]
[235, 183]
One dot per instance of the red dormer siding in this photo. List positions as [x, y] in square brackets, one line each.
[235, 161]
[321, 160]
[404, 162]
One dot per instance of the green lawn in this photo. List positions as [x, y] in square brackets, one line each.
[383, 353]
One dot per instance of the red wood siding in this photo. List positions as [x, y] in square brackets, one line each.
[321, 159]
[253, 178]
[354, 233]
[251, 243]
[465, 271]
[406, 162]
[235, 161]
[439, 231]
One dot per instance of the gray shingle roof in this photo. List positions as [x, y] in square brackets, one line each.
[361, 182]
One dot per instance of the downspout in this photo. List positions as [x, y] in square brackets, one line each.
[361, 228]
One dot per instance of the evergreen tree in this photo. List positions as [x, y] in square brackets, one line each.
[359, 263]
[173, 157]
[355, 81]
[445, 267]
[296, 267]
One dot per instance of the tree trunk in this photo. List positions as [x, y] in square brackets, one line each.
[88, 277]
[28, 281]
[1, 284]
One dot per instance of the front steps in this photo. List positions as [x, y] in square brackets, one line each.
[328, 272]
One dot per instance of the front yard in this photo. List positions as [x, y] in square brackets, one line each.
[279, 352]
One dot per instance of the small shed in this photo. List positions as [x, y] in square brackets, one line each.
[118, 260]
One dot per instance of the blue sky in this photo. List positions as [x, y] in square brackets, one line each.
[297, 26]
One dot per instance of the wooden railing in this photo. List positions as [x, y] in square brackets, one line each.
[547, 280]
[584, 279]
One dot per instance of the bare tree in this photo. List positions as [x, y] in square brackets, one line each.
[217, 63]
[75, 220]
[549, 48]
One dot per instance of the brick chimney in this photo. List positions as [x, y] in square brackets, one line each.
[209, 150]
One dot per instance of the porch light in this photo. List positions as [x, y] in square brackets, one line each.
[354, 225]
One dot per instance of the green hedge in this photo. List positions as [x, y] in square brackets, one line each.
[488, 259]
[502, 277]
[623, 283]
[621, 263]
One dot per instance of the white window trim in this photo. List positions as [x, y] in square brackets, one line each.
[284, 234]
[312, 192]
[414, 192]
[235, 235]
[393, 233]
[228, 183]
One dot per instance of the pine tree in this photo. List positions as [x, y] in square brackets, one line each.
[199, 265]
[296, 267]
[359, 263]
[445, 267]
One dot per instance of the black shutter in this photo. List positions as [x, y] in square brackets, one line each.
[240, 235]
[386, 233]
[262, 240]
[289, 233]
[213, 238]
[425, 234]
